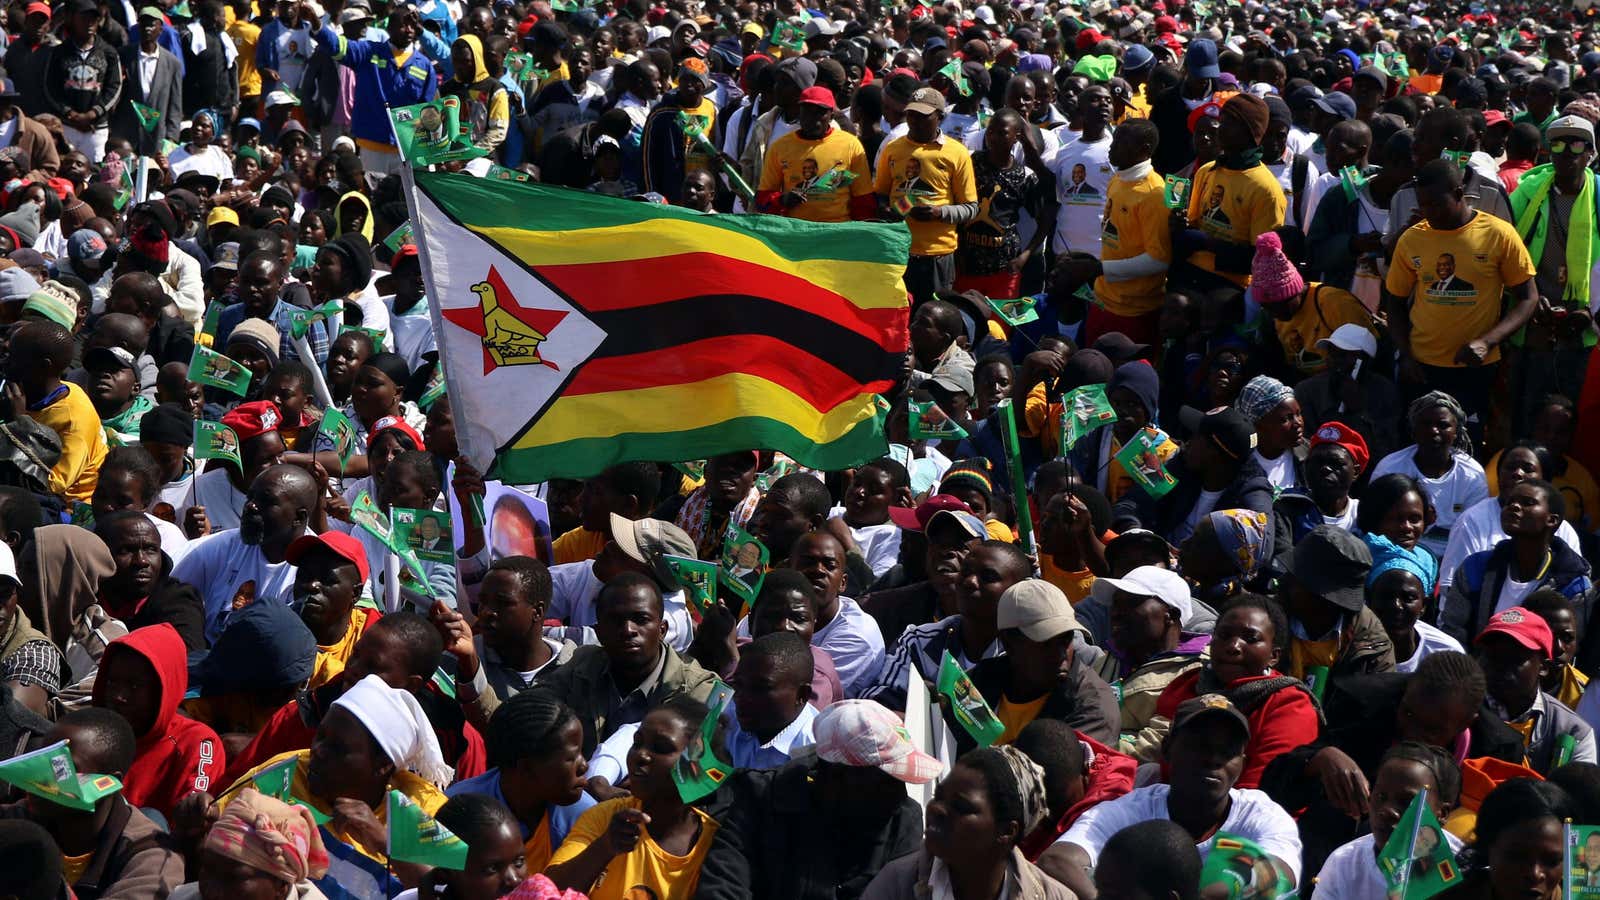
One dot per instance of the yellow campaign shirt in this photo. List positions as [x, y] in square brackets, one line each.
[1235, 206]
[578, 545]
[662, 875]
[537, 850]
[1075, 585]
[83, 443]
[1135, 223]
[1455, 280]
[936, 174]
[73, 867]
[794, 164]
[1324, 309]
[1016, 716]
[331, 658]
[245, 36]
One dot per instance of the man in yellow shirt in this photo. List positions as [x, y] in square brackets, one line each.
[245, 35]
[1130, 277]
[40, 353]
[1235, 199]
[927, 179]
[626, 489]
[1446, 283]
[1303, 314]
[817, 172]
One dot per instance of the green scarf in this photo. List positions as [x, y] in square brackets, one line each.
[1247, 159]
[1530, 204]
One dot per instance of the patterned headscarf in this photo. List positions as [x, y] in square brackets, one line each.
[1261, 395]
[538, 887]
[1030, 786]
[1388, 556]
[268, 834]
[1434, 399]
[1243, 536]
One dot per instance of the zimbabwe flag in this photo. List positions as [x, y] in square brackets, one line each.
[578, 331]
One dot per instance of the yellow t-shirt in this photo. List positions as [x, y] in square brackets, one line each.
[1324, 309]
[83, 443]
[936, 174]
[1075, 585]
[693, 159]
[331, 658]
[1307, 655]
[793, 163]
[245, 36]
[72, 867]
[578, 545]
[1016, 716]
[1135, 222]
[1235, 206]
[537, 850]
[1455, 280]
[664, 876]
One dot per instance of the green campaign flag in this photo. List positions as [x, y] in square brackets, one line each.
[214, 440]
[743, 563]
[430, 133]
[376, 335]
[1176, 192]
[277, 781]
[1083, 410]
[566, 6]
[212, 321]
[826, 183]
[1462, 158]
[930, 423]
[519, 65]
[342, 432]
[399, 237]
[1417, 861]
[301, 320]
[789, 36]
[1141, 459]
[952, 71]
[444, 682]
[966, 704]
[149, 117]
[425, 531]
[436, 388]
[699, 771]
[1019, 311]
[1237, 868]
[698, 578]
[416, 837]
[49, 773]
[502, 173]
[365, 513]
[207, 366]
[1583, 862]
[1353, 181]
[779, 468]
[694, 468]
[694, 128]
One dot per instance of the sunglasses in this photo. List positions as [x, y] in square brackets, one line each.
[1570, 145]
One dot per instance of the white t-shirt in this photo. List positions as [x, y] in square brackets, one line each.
[1351, 872]
[1430, 640]
[880, 544]
[1284, 172]
[1511, 592]
[1253, 815]
[294, 52]
[1478, 529]
[232, 574]
[574, 589]
[173, 541]
[1347, 520]
[1280, 471]
[1452, 493]
[1083, 173]
[209, 160]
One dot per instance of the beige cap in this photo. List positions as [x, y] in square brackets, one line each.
[926, 101]
[1038, 609]
[647, 540]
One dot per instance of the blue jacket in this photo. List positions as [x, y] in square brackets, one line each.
[1475, 591]
[380, 84]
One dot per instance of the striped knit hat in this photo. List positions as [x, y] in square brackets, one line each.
[56, 302]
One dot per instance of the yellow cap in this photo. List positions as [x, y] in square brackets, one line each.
[220, 215]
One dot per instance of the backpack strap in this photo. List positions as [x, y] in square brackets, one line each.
[1299, 170]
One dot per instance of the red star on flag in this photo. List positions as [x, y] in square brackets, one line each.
[511, 333]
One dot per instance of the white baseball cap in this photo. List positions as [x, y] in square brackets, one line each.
[1148, 581]
[1351, 337]
[8, 564]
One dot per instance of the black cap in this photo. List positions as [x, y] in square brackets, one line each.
[1119, 347]
[1332, 563]
[1226, 426]
[168, 423]
[1207, 706]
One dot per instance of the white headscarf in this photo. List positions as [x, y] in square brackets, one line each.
[397, 721]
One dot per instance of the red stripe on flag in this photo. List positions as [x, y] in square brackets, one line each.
[783, 364]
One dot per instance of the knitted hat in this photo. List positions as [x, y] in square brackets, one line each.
[16, 284]
[258, 333]
[54, 301]
[24, 220]
[168, 423]
[1273, 278]
[151, 243]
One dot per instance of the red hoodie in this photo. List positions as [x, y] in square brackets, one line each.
[179, 755]
[1110, 776]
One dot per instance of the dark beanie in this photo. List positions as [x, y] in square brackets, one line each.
[1249, 110]
[162, 213]
[1278, 111]
[1085, 367]
[168, 423]
[357, 256]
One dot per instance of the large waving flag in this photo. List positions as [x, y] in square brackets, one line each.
[578, 331]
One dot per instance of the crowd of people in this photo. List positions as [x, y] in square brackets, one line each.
[1288, 305]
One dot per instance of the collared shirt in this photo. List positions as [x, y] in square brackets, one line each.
[622, 710]
[147, 69]
[748, 752]
[1544, 723]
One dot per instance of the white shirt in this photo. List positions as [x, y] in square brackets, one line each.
[610, 759]
[1478, 529]
[223, 501]
[574, 589]
[1351, 872]
[1283, 170]
[1452, 493]
[1512, 592]
[412, 332]
[1280, 471]
[1430, 640]
[1082, 194]
[208, 160]
[147, 69]
[1252, 815]
[229, 573]
[855, 644]
[294, 52]
[880, 544]
[1347, 520]
[173, 542]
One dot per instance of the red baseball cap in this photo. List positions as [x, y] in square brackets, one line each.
[343, 545]
[398, 424]
[1087, 38]
[1346, 437]
[1524, 626]
[917, 519]
[41, 8]
[253, 419]
[817, 95]
[406, 250]
[1493, 117]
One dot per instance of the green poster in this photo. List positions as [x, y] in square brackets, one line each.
[698, 579]
[1176, 192]
[743, 564]
[341, 432]
[399, 237]
[699, 772]
[930, 423]
[426, 532]
[301, 320]
[952, 71]
[416, 837]
[1238, 869]
[1417, 861]
[430, 133]
[966, 704]
[501, 173]
[434, 390]
[1141, 459]
[214, 440]
[828, 182]
[49, 773]
[1583, 862]
[1016, 312]
[1084, 409]
[212, 368]
[376, 335]
[365, 513]
[789, 36]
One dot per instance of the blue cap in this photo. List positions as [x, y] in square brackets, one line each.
[1590, 61]
[253, 123]
[1441, 56]
[1338, 104]
[932, 43]
[1137, 57]
[1201, 59]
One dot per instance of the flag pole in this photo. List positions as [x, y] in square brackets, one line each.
[319, 384]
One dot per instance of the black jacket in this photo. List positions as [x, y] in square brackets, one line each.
[176, 603]
[775, 845]
[1083, 700]
[1171, 115]
[91, 82]
[1250, 490]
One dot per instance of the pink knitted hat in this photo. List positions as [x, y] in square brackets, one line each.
[1273, 279]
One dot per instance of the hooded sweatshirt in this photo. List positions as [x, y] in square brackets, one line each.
[485, 104]
[178, 755]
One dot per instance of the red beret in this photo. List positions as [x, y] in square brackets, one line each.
[253, 419]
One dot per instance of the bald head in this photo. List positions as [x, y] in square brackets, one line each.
[296, 483]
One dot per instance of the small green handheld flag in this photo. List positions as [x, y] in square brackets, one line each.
[1353, 181]
[1237, 868]
[416, 837]
[212, 321]
[1176, 192]
[1583, 862]
[952, 71]
[430, 133]
[342, 432]
[698, 579]
[210, 367]
[1142, 461]
[214, 440]
[930, 423]
[966, 704]
[1083, 410]
[1016, 312]
[149, 117]
[399, 238]
[436, 388]
[699, 772]
[1417, 861]
[376, 335]
[49, 773]
[365, 513]
[789, 36]
[425, 531]
[301, 320]
[277, 781]
[743, 564]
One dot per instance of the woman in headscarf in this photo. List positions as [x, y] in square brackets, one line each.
[1441, 460]
[377, 401]
[261, 848]
[1270, 406]
[353, 215]
[200, 154]
[1400, 589]
[1227, 553]
[375, 739]
[60, 584]
[992, 799]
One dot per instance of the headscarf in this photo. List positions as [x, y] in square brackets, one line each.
[538, 887]
[69, 563]
[338, 219]
[396, 721]
[267, 834]
[1434, 399]
[1261, 395]
[1388, 556]
[1030, 786]
[1242, 533]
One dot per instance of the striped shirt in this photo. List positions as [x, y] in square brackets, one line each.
[921, 648]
